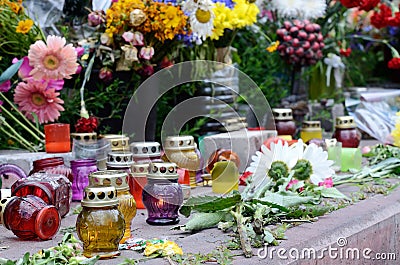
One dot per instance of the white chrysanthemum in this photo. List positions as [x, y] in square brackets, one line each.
[262, 161]
[201, 21]
[312, 9]
[300, 9]
[317, 159]
[287, 8]
[192, 5]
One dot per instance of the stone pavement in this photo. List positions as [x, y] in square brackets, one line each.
[373, 223]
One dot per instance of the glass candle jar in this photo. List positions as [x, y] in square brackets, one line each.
[139, 172]
[284, 123]
[100, 225]
[54, 189]
[81, 168]
[52, 165]
[311, 130]
[346, 132]
[118, 142]
[162, 196]
[119, 180]
[10, 173]
[181, 150]
[29, 217]
[57, 138]
[145, 152]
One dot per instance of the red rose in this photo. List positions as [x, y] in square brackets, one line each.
[84, 125]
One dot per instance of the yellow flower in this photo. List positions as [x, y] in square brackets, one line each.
[24, 26]
[223, 20]
[273, 46]
[170, 16]
[15, 7]
[396, 132]
[245, 13]
[167, 248]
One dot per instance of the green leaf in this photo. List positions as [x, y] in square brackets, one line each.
[285, 199]
[200, 221]
[333, 193]
[209, 203]
[10, 71]
[268, 236]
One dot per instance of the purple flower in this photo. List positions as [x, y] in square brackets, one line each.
[5, 86]
[56, 84]
[146, 70]
[128, 36]
[228, 3]
[138, 39]
[24, 69]
[95, 18]
[80, 51]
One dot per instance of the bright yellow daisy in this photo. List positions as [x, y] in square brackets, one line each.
[24, 26]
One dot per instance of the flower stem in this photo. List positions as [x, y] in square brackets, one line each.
[23, 117]
[16, 136]
[21, 124]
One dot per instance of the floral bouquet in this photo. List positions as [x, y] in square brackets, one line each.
[36, 95]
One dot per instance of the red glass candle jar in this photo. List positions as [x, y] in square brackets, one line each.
[54, 189]
[81, 169]
[29, 217]
[346, 132]
[139, 172]
[52, 165]
[284, 122]
[162, 196]
[57, 137]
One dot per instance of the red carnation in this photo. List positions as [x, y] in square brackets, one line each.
[381, 19]
[350, 3]
[345, 52]
[394, 63]
[368, 5]
[84, 125]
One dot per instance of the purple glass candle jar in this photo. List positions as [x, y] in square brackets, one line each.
[162, 196]
[81, 169]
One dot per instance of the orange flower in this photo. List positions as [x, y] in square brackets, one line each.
[24, 26]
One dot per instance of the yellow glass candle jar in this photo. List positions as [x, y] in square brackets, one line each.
[100, 225]
[119, 180]
[311, 130]
[181, 150]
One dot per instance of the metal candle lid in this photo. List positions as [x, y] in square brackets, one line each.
[84, 137]
[282, 114]
[99, 196]
[118, 142]
[140, 169]
[185, 142]
[119, 159]
[162, 171]
[345, 122]
[311, 126]
[115, 178]
[145, 149]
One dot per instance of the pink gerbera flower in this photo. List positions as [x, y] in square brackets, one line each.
[54, 60]
[36, 97]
